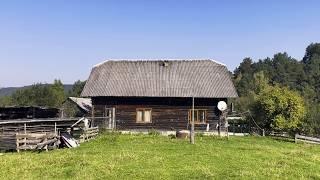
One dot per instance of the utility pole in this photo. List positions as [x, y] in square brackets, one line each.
[192, 123]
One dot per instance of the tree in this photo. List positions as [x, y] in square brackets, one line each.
[311, 50]
[311, 62]
[243, 77]
[302, 77]
[280, 108]
[259, 83]
[311, 124]
[77, 88]
[40, 95]
[37, 95]
[5, 101]
[58, 92]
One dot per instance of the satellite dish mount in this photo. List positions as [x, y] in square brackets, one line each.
[222, 106]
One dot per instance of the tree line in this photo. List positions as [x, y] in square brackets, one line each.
[282, 93]
[45, 95]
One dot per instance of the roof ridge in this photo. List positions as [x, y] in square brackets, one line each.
[157, 59]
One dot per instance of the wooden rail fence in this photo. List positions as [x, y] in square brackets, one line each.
[24, 134]
[36, 141]
[89, 133]
[9, 130]
[296, 138]
[306, 139]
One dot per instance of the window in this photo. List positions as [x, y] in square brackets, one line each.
[144, 116]
[200, 116]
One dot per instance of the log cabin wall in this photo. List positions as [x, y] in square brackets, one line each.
[167, 113]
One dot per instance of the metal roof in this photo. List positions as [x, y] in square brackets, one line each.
[160, 78]
[83, 103]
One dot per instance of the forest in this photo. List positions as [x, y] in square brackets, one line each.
[282, 93]
[44, 95]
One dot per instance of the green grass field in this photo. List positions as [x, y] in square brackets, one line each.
[113, 156]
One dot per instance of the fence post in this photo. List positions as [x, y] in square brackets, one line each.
[295, 138]
[25, 132]
[45, 140]
[109, 118]
[263, 133]
[17, 143]
[92, 116]
[114, 118]
[55, 128]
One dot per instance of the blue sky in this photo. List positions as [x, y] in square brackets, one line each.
[47, 39]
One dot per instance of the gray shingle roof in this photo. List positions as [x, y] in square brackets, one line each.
[151, 78]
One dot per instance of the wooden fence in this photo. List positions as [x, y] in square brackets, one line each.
[306, 139]
[32, 141]
[9, 129]
[84, 134]
[89, 133]
[32, 131]
[297, 138]
[28, 133]
[281, 135]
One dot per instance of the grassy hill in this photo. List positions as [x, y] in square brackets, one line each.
[114, 156]
[10, 90]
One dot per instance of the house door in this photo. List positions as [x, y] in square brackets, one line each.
[110, 119]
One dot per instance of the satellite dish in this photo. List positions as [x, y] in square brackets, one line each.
[222, 106]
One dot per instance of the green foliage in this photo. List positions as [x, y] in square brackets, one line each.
[280, 108]
[245, 103]
[58, 93]
[5, 101]
[155, 157]
[311, 125]
[46, 95]
[244, 77]
[77, 89]
[70, 109]
[281, 69]
[40, 95]
[260, 83]
[285, 71]
[37, 95]
[312, 50]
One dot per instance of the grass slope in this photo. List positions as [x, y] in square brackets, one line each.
[113, 156]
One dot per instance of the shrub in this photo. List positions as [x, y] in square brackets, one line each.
[279, 108]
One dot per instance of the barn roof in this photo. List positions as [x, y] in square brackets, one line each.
[84, 104]
[160, 78]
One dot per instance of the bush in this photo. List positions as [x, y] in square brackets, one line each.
[279, 108]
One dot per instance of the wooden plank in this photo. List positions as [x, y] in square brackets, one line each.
[311, 139]
[311, 142]
[26, 147]
[30, 135]
[90, 131]
[28, 141]
[91, 135]
[22, 121]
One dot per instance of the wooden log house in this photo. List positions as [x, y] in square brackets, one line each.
[157, 94]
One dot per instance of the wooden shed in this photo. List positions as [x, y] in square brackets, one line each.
[157, 94]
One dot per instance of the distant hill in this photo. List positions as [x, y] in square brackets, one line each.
[10, 90]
